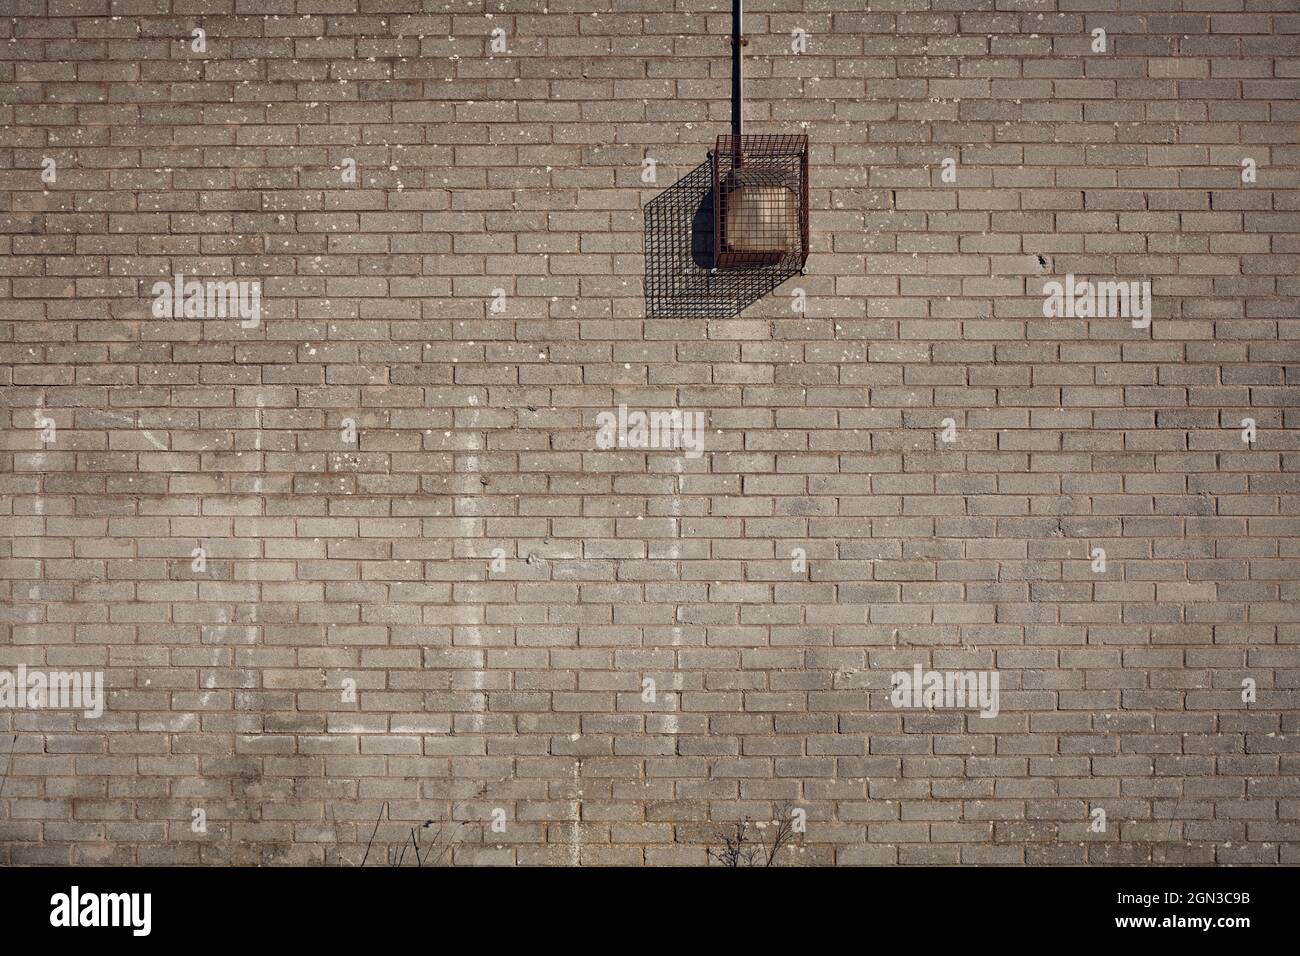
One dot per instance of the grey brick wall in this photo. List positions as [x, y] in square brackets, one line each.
[508, 686]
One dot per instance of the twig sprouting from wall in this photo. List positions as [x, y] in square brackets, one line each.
[432, 850]
[9, 758]
[740, 848]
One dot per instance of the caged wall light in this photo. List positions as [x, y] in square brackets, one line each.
[760, 186]
[761, 212]
[733, 229]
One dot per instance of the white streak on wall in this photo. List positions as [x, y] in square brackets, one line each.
[575, 838]
[257, 442]
[469, 527]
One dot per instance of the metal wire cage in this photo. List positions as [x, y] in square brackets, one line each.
[760, 189]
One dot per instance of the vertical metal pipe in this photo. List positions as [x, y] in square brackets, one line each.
[737, 69]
